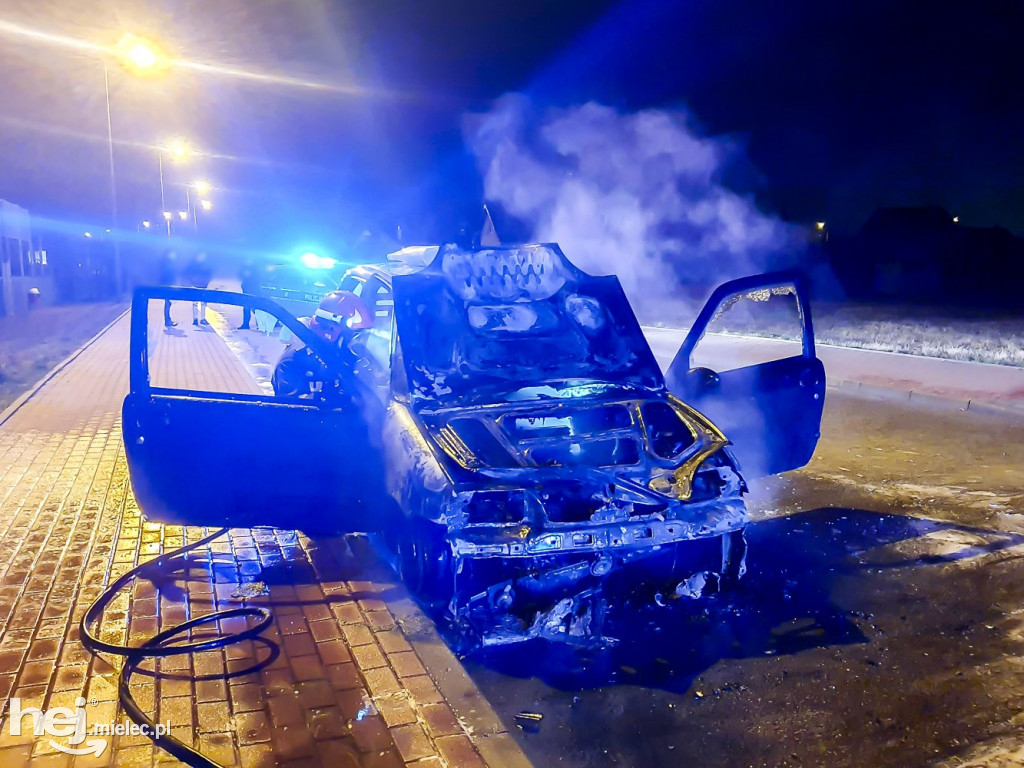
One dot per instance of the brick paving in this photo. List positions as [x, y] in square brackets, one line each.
[345, 688]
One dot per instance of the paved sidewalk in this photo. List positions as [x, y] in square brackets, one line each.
[361, 678]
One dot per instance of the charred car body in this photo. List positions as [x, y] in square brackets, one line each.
[529, 447]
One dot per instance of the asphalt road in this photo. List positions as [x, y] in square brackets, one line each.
[881, 622]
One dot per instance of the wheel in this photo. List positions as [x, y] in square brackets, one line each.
[425, 561]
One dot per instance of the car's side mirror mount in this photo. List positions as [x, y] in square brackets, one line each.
[703, 380]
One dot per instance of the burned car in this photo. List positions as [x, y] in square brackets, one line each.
[523, 448]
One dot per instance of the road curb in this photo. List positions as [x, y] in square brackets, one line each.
[488, 734]
[949, 403]
[23, 398]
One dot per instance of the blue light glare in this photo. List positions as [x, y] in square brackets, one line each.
[315, 261]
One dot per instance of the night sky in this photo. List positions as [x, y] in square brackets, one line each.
[841, 107]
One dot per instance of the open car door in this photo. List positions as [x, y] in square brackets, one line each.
[210, 444]
[765, 395]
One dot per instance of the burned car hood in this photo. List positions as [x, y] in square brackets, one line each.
[505, 323]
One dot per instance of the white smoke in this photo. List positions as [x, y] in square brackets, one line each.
[634, 194]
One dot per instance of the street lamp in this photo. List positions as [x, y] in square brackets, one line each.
[202, 188]
[179, 149]
[183, 215]
[137, 55]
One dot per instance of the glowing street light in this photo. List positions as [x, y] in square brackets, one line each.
[820, 225]
[146, 224]
[956, 219]
[207, 205]
[178, 149]
[88, 234]
[183, 215]
[141, 56]
[202, 187]
[167, 216]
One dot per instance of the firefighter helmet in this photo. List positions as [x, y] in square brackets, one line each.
[338, 313]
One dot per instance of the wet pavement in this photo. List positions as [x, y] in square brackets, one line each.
[881, 622]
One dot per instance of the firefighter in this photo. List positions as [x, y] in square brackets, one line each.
[299, 373]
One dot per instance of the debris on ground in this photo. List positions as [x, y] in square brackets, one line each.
[529, 721]
[251, 590]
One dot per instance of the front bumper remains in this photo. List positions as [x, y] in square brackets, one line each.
[553, 584]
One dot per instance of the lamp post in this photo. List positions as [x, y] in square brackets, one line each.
[179, 151]
[140, 56]
[201, 188]
[163, 200]
[118, 277]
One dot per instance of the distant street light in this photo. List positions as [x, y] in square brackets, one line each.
[179, 151]
[145, 224]
[201, 187]
[956, 219]
[183, 215]
[167, 217]
[820, 225]
[88, 234]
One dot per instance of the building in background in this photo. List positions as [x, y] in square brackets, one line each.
[925, 255]
[24, 270]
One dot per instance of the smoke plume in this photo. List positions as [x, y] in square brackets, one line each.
[634, 194]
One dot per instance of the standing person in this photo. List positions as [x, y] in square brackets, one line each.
[199, 273]
[169, 276]
[250, 284]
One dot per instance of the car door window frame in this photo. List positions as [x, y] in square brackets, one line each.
[139, 373]
[769, 280]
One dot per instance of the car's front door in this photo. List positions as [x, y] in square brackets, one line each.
[209, 442]
[765, 395]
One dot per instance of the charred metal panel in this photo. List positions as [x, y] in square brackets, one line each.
[557, 458]
[486, 326]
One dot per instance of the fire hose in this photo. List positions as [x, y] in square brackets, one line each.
[160, 645]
